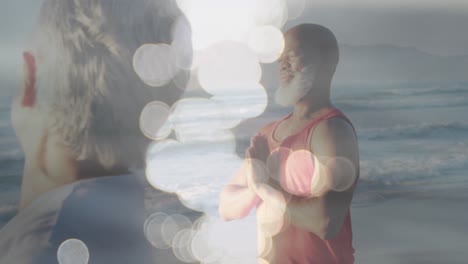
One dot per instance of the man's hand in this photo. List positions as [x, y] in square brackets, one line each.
[256, 174]
[259, 149]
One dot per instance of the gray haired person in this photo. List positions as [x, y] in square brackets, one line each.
[76, 116]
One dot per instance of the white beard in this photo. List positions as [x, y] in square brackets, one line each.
[298, 87]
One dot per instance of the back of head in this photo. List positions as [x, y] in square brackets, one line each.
[87, 86]
[317, 44]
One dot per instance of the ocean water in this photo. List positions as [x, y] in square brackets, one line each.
[411, 137]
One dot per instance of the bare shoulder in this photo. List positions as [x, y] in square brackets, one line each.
[334, 136]
[266, 128]
[335, 126]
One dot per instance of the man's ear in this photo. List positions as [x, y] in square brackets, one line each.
[28, 92]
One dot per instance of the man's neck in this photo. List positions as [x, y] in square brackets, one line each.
[311, 104]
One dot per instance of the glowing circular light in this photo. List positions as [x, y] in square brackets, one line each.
[246, 102]
[154, 230]
[299, 173]
[265, 244]
[181, 42]
[153, 121]
[276, 160]
[343, 176]
[187, 81]
[232, 260]
[295, 8]
[181, 245]
[201, 223]
[271, 12]
[155, 64]
[241, 233]
[227, 66]
[202, 249]
[319, 184]
[226, 20]
[162, 167]
[270, 215]
[237, 260]
[172, 225]
[73, 251]
[182, 221]
[182, 79]
[169, 229]
[256, 173]
[267, 42]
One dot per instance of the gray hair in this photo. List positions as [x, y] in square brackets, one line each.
[86, 83]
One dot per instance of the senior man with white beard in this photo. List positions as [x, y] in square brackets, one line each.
[76, 116]
[310, 159]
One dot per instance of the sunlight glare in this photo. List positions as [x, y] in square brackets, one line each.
[267, 42]
[155, 64]
[154, 121]
[227, 66]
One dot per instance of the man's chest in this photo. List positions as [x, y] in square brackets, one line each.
[287, 129]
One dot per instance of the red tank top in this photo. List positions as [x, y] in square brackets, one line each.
[297, 246]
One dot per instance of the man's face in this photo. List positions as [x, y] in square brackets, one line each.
[290, 61]
[296, 78]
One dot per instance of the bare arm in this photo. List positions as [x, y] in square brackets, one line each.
[239, 196]
[335, 145]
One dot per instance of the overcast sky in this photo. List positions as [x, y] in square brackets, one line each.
[438, 27]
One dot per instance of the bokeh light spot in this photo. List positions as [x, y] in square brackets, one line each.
[256, 173]
[271, 12]
[155, 64]
[181, 42]
[319, 184]
[300, 168]
[267, 42]
[226, 66]
[295, 8]
[275, 162]
[73, 251]
[343, 174]
[202, 249]
[154, 230]
[187, 80]
[271, 214]
[153, 121]
[172, 225]
[181, 245]
[234, 238]
[265, 244]
[169, 229]
[217, 20]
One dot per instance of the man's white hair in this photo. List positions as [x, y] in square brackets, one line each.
[289, 94]
[86, 83]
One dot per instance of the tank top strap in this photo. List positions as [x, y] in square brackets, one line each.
[335, 112]
[269, 129]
